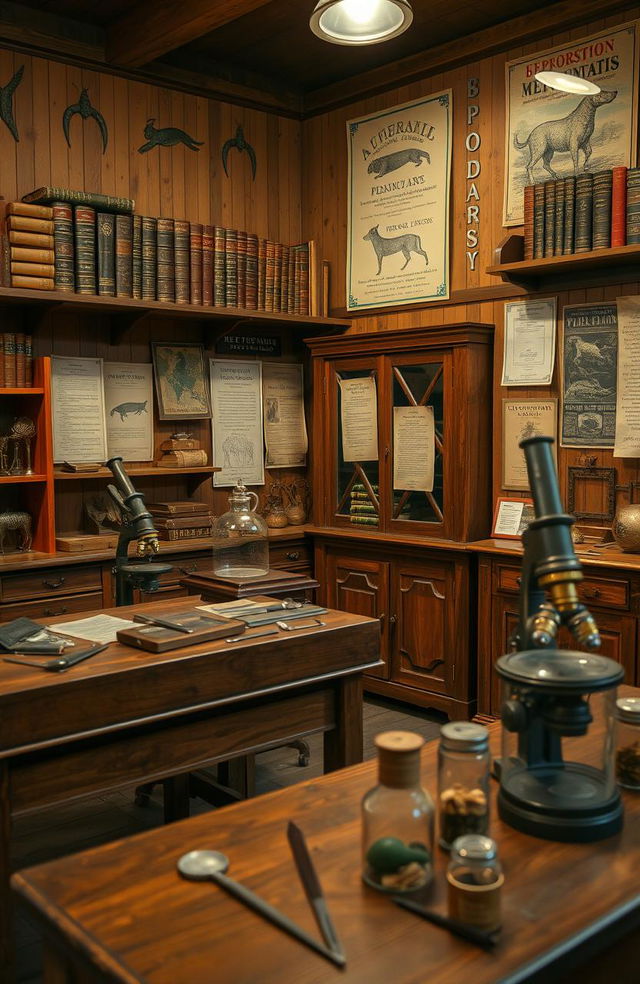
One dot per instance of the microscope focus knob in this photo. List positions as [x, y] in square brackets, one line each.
[514, 716]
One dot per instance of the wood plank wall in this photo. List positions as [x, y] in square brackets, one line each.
[324, 161]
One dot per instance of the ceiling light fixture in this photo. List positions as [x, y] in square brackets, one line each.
[572, 84]
[360, 21]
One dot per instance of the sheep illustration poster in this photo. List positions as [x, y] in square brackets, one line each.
[552, 134]
[589, 367]
[398, 225]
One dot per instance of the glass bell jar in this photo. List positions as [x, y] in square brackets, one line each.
[557, 772]
[240, 543]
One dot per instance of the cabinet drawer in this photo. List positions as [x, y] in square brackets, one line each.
[50, 582]
[285, 554]
[53, 607]
[595, 591]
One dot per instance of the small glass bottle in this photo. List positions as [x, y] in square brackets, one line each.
[397, 818]
[474, 881]
[628, 751]
[463, 781]
[240, 538]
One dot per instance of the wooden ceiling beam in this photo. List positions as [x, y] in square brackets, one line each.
[154, 27]
[490, 41]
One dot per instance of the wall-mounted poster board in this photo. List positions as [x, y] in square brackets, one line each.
[398, 216]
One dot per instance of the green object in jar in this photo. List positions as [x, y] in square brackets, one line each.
[388, 854]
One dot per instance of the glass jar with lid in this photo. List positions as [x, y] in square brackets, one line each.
[463, 781]
[628, 750]
[474, 882]
[240, 538]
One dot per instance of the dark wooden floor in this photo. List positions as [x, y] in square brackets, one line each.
[68, 829]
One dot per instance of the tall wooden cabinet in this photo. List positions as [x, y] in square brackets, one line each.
[398, 554]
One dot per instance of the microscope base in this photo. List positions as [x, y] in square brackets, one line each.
[569, 825]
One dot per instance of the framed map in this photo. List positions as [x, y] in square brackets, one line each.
[181, 381]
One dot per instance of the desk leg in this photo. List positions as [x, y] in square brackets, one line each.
[7, 953]
[176, 798]
[343, 744]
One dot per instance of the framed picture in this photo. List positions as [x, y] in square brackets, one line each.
[521, 419]
[511, 518]
[538, 119]
[181, 381]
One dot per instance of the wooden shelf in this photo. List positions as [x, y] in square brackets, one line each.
[132, 471]
[17, 479]
[21, 391]
[598, 266]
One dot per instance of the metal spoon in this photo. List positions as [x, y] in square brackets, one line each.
[293, 628]
[212, 865]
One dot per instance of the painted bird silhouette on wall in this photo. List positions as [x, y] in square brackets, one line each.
[6, 102]
[86, 110]
[167, 136]
[240, 144]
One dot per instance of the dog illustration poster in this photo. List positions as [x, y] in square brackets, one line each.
[399, 182]
[589, 369]
[128, 400]
[552, 134]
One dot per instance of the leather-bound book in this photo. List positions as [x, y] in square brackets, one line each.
[251, 300]
[277, 276]
[219, 266]
[149, 258]
[166, 261]
[633, 206]
[26, 223]
[538, 222]
[63, 247]
[297, 266]
[568, 241]
[284, 282]
[528, 222]
[9, 355]
[20, 359]
[136, 255]
[34, 283]
[106, 223]
[84, 224]
[619, 207]
[231, 267]
[241, 249]
[33, 270]
[584, 213]
[262, 274]
[34, 239]
[181, 252]
[33, 211]
[207, 265]
[549, 217]
[26, 254]
[558, 243]
[270, 276]
[28, 360]
[124, 256]
[195, 262]
[305, 286]
[602, 191]
[102, 203]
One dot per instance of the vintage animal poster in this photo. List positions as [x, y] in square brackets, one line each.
[398, 214]
[128, 398]
[551, 134]
[522, 419]
[236, 399]
[589, 369]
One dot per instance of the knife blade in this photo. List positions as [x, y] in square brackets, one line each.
[312, 887]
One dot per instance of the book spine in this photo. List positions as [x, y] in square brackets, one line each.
[270, 276]
[181, 252]
[207, 265]
[33, 211]
[251, 300]
[166, 288]
[63, 247]
[584, 213]
[568, 241]
[262, 274]
[242, 268]
[23, 254]
[34, 283]
[277, 276]
[195, 263]
[219, 266]
[31, 239]
[313, 279]
[602, 190]
[149, 258]
[290, 307]
[2, 379]
[9, 359]
[103, 203]
[124, 256]
[136, 271]
[296, 277]
[304, 280]
[106, 254]
[538, 222]
[33, 270]
[28, 360]
[528, 222]
[558, 242]
[633, 206]
[25, 223]
[549, 217]
[85, 248]
[20, 359]
[619, 207]
[183, 459]
[231, 267]
[284, 283]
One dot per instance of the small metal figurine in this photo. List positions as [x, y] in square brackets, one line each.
[86, 110]
[240, 144]
[167, 136]
[4, 454]
[20, 522]
[22, 432]
[6, 102]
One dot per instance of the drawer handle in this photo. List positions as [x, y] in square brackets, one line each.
[591, 592]
[293, 555]
[54, 584]
[518, 581]
[189, 570]
[393, 619]
[52, 611]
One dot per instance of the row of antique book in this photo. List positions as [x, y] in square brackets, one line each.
[186, 520]
[578, 214]
[16, 359]
[75, 246]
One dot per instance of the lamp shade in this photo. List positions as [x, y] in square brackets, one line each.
[360, 21]
[572, 84]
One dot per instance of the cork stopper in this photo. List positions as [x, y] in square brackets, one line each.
[399, 758]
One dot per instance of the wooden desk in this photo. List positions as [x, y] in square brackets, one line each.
[130, 716]
[121, 913]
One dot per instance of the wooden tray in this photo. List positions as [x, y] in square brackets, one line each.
[157, 639]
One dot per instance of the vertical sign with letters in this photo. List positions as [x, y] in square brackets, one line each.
[472, 200]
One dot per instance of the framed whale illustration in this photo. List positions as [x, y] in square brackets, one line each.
[398, 215]
[128, 402]
[551, 134]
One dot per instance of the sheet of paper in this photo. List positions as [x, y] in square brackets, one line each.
[128, 396]
[97, 628]
[522, 419]
[529, 342]
[508, 518]
[627, 443]
[77, 397]
[236, 400]
[285, 430]
[359, 419]
[589, 368]
[413, 449]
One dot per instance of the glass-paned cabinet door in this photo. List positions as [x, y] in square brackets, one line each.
[357, 478]
[417, 429]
